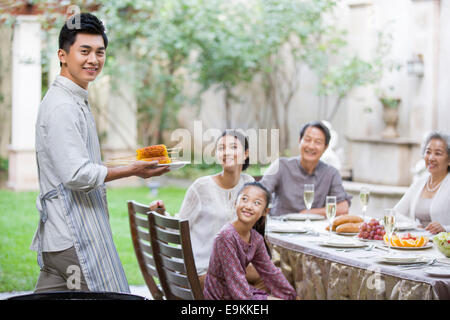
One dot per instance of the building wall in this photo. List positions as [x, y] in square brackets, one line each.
[417, 27]
[5, 89]
[443, 96]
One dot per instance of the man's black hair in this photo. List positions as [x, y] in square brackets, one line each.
[80, 23]
[318, 125]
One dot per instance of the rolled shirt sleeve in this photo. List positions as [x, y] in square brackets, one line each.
[271, 176]
[66, 147]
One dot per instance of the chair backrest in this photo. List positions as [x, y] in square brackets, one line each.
[140, 235]
[172, 251]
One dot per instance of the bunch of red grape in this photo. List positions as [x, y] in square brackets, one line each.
[371, 230]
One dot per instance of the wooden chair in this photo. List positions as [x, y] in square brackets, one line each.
[172, 251]
[140, 235]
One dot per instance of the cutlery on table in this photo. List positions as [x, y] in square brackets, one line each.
[419, 265]
[368, 248]
[382, 248]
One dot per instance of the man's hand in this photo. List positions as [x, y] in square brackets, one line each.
[341, 209]
[142, 169]
[146, 169]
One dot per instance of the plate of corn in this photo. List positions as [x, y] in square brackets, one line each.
[157, 152]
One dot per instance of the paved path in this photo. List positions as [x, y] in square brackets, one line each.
[137, 290]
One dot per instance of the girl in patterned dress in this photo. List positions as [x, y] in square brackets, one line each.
[209, 201]
[238, 244]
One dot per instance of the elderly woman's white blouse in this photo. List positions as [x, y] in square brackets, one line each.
[440, 205]
[208, 208]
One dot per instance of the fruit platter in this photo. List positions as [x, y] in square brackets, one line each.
[407, 241]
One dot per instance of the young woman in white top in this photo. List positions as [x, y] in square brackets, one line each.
[209, 201]
[428, 199]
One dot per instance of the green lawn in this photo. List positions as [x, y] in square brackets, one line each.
[18, 222]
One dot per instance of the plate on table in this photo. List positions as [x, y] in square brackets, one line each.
[303, 216]
[286, 229]
[401, 259]
[427, 246]
[367, 240]
[342, 243]
[345, 233]
[438, 271]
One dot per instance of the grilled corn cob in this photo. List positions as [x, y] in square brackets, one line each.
[158, 150]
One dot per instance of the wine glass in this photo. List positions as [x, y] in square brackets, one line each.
[389, 224]
[308, 195]
[364, 199]
[330, 208]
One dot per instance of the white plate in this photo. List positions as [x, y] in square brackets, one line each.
[427, 246]
[401, 260]
[342, 244]
[345, 233]
[438, 271]
[303, 216]
[367, 240]
[285, 227]
[286, 230]
[174, 165]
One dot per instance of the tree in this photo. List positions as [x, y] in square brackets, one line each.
[229, 50]
[304, 34]
[291, 29]
[338, 73]
[224, 44]
[158, 38]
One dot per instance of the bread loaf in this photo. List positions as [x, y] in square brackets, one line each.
[348, 227]
[346, 219]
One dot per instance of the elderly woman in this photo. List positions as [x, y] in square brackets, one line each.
[428, 199]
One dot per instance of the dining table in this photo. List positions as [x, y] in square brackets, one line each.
[319, 268]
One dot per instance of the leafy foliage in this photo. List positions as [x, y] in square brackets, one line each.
[153, 39]
[159, 47]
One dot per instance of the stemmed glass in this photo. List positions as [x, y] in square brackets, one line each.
[364, 199]
[308, 195]
[389, 224]
[330, 208]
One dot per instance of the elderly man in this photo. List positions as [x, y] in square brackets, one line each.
[286, 177]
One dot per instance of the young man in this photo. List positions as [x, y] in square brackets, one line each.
[74, 240]
[287, 177]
